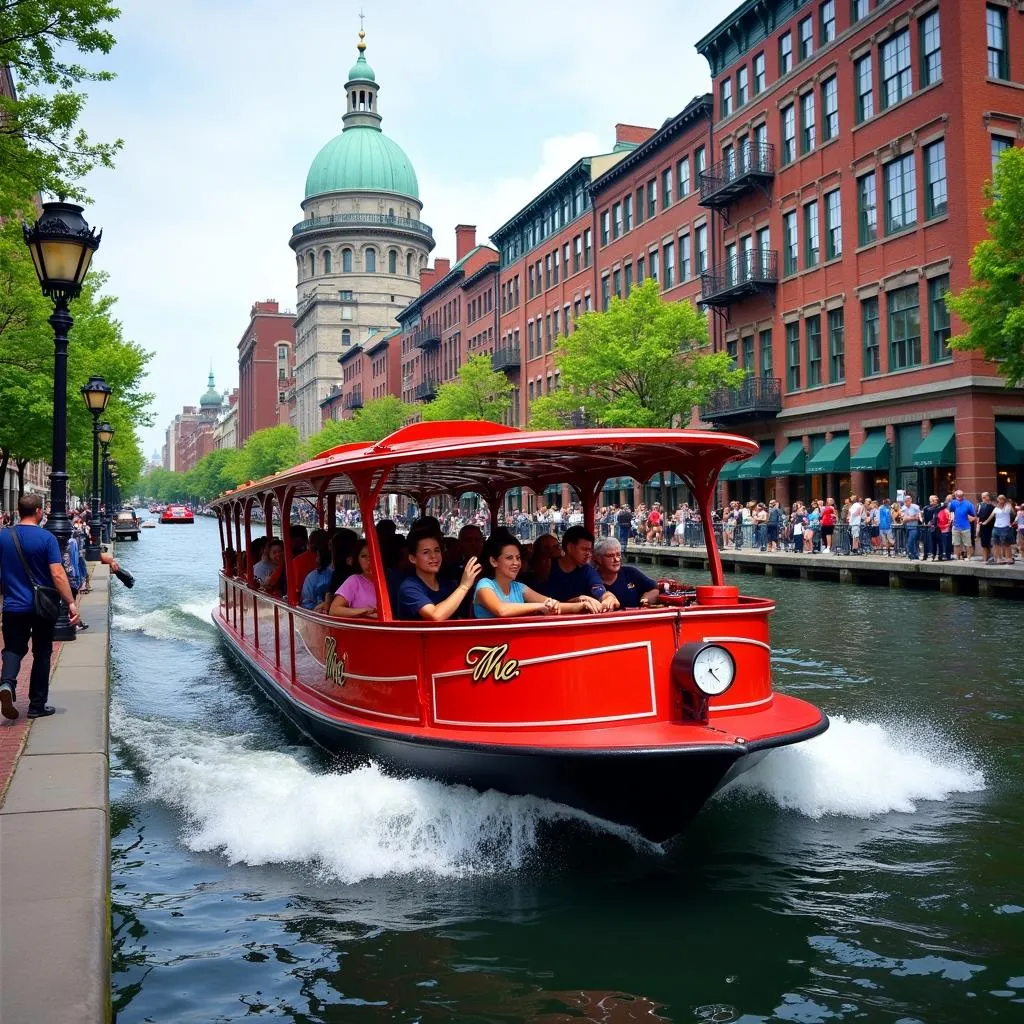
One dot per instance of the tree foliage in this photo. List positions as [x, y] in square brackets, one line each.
[42, 146]
[992, 306]
[643, 363]
[478, 393]
[375, 420]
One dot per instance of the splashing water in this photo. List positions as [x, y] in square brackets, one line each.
[860, 769]
[175, 622]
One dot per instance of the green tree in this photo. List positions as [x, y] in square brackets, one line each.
[643, 363]
[478, 393]
[269, 451]
[375, 420]
[992, 306]
[42, 147]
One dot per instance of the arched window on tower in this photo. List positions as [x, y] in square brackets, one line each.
[327, 261]
[370, 261]
[346, 338]
[392, 261]
[408, 264]
[311, 262]
[362, 99]
[346, 261]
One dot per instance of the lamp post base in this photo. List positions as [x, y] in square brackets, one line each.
[92, 552]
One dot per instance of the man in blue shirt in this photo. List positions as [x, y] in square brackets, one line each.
[632, 588]
[574, 578]
[20, 622]
[964, 513]
[911, 513]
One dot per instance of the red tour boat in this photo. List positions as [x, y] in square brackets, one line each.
[177, 514]
[635, 716]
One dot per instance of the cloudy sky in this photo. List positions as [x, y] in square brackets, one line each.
[222, 105]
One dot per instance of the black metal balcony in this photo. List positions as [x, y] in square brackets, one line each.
[756, 398]
[746, 274]
[507, 358]
[427, 338]
[751, 167]
[426, 391]
[354, 399]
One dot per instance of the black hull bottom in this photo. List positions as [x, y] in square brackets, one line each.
[656, 793]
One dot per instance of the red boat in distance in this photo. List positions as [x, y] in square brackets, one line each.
[177, 514]
[635, 716]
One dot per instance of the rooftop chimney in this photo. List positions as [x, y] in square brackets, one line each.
[632, 133]
[428, 278]
[465, 240]
[442, 267]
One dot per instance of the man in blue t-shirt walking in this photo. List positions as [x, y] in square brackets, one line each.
[20, 622]
[964, 513]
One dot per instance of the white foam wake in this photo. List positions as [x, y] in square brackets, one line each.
[860, 769]
[270, 807]
[175, 622]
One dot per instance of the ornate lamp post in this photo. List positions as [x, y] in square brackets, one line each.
[95, 394]
[115, 493]
[105, 435]
[61, 244]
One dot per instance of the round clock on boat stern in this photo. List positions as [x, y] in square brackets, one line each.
[707, 666]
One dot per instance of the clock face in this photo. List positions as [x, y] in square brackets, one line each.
[713, 670]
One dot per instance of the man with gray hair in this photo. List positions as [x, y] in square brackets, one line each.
[633, 588]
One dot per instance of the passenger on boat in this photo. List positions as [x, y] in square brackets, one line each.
[545, 551]
[357, 596]
[633, 588]
[505, 597]
[343, 545]
[573, 578]
[470, 544]
[424, 595]
[269, 570]
[316, 585]
[304, 555]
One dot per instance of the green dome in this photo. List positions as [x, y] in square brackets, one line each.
[361, 71]
[362, 159]
[212, 396]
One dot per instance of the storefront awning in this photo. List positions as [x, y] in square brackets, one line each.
[758, 466]
[873, 454]
[1009, 442]
[790, 461]
[833, 458]
[729, 471]
[937, 449]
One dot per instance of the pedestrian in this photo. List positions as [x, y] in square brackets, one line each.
[986, 521]
[40, 553]
[911, 513]
[963, 516]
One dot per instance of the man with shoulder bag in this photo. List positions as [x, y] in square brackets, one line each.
[33, 582]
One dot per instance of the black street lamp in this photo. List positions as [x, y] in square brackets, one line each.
[61, 244]
[105, 434]
[95, 394]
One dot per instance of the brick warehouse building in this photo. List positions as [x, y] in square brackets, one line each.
[852, 142]
[266, 369]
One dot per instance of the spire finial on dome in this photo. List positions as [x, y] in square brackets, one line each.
[361, 45]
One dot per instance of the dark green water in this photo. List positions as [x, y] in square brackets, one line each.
[871, 875]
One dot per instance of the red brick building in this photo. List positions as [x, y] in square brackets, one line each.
[852, 141]
[266, 369]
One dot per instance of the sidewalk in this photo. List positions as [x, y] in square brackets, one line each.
[54, 837]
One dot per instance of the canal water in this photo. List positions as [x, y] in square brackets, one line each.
[873, 874]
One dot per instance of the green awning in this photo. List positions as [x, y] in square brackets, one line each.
[729, 471]
[834, 457]
[1009, 442]
[873, 454]
[790, 461]
[937, 449]
[758, 466]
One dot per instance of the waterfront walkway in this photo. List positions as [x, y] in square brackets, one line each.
[55, 837]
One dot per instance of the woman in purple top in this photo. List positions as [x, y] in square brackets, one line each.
[357, 596]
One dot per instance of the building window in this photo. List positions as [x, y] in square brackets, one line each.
[793, 357]
[828, 21]
[311, 259]
[554, 270]
[1000, 144]
[786, 53]
[670, 264]
[627, 276]
[346, 312]
[640, 205]
[788, 134]
[529, 339]
[685, 258]
[616, 220]
[370, 261]
[627, 216]
[606, 220]
[577, 253]
[807, 126]
[731, 351]
[867, 208]
[653, 259]
[767, 367]
[900, 194]
[327, 261]
[814, 351]
[699, 161]
[748, 355]
[605, 292]
[764, 244]
[931, 49]
[282, 373]
[531, 282]
[904, 328]
[280, 398]
[938, 315]
[760, 74]
[894, 57]
[616, 284]
[790, 243]
[683, 174]
[547, 270]
[729, 162]
[587, 248]
[998, 52]
[858, 10]
[806, 29]
[346, 338]
[863, 75]
[392, 261]
[742, 87]
[652, 199]
[408, 264]
[640, 263]
[833, 225]
[871, 332]
[730, 263]
[812, 237]
[836, 347]
[725, 97]
[829, 109]
[666, 188]
[282, 351]
[702, 248]
[936, 199]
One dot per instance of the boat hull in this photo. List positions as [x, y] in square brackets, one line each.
[655, 790]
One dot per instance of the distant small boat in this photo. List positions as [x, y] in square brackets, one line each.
[149, 524]
[177, 514]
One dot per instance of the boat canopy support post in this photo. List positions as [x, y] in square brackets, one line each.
[236, 514]
[249, 577]
[220, 535]
[368, 494]
[284, 499]
[268, 514]
[332, 512]
[702, 479]
[588, 489]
